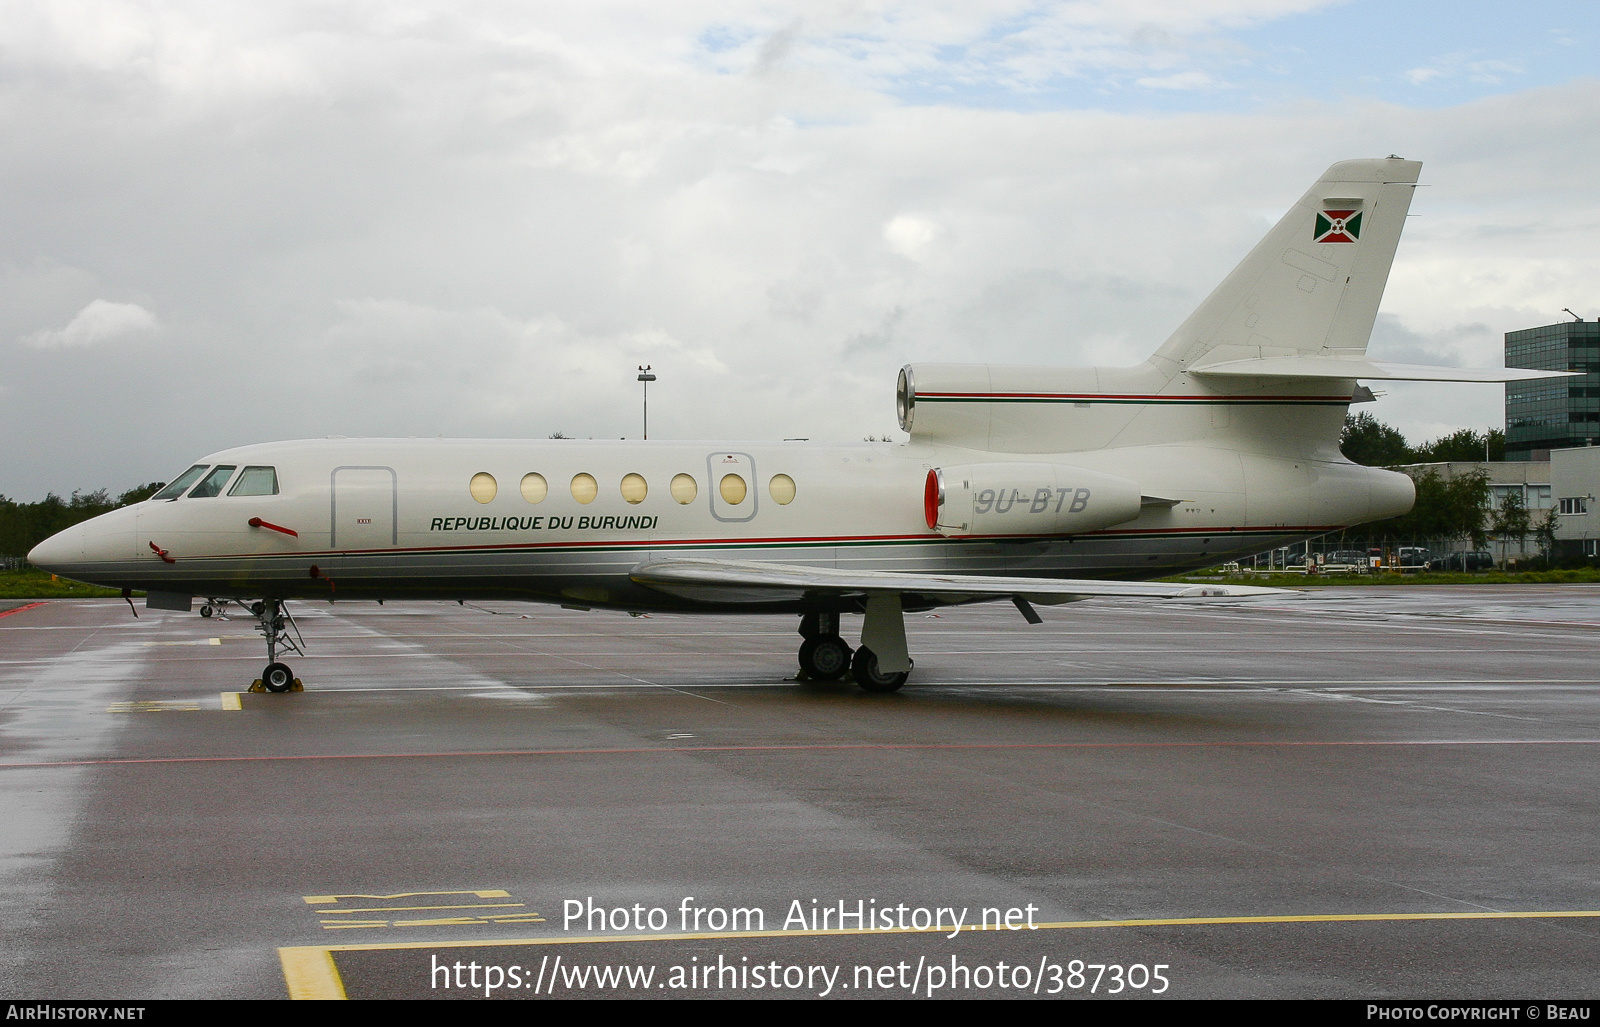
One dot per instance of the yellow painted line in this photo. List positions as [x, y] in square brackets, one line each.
[216, 641]
[311, 973]
[230, 701]
[408, 909]
[482, 893]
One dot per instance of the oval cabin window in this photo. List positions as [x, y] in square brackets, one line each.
[534, 487]
[584, 488]
[782, 489]
[483, 487]
[684, 489]
[634, 488]
[733, 489]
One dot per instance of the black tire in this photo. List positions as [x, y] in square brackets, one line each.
[864, 668]
[824, 658]
[205, 611]
[277, 677]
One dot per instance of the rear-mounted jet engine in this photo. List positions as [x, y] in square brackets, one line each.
[1026, 499]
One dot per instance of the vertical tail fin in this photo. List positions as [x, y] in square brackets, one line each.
[1313, 285]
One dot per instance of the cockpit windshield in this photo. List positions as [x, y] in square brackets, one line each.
[256, 481]
[181, 483]
[212, 486]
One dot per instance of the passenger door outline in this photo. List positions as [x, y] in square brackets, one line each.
[333, 502]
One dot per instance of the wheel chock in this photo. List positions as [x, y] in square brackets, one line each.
[257, 686]
[297, 686]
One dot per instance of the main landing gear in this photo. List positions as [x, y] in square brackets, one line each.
[274, 622]
[824, 656]
[864, 668]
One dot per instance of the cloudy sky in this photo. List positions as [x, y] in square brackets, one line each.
[234, 222]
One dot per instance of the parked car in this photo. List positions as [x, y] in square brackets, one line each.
[1473, 560]
[1346, 561]
[1413, 556]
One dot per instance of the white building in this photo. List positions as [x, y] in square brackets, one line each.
[1528, 479]
[1575, 480]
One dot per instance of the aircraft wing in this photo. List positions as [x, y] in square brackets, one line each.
[747, 581]
[1372, 370]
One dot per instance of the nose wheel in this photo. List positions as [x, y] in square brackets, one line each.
[279, 678]
[215, 608]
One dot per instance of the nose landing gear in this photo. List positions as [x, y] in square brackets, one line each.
[275, 622]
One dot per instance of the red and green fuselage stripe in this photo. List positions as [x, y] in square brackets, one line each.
[1061, 397]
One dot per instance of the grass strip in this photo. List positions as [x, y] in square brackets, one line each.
[33, 584]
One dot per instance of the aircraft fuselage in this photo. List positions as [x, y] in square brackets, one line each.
[567, 520]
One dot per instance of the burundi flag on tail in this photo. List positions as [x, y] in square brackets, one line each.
[1338, 226]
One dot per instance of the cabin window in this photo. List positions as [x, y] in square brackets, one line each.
[213, 482]
[634, 488]
[256, 481]
[483, 486]
[584, 488]
[733, 489]
[684, 489]
[782, 488]
[534, 487]
[181, 483]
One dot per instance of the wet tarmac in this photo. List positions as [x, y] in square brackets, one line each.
[1373, 792]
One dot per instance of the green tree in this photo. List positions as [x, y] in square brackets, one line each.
[140, 493]
[1368, 441]
[25, 525]
[1511, 521]
[1464, 445]
[1452, 509]
[1546, 534]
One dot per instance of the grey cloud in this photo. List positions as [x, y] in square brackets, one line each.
[101, 321]
[400, 221]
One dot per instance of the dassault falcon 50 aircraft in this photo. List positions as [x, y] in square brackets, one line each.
[1034, 484]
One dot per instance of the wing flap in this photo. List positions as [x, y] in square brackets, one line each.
[741, 580]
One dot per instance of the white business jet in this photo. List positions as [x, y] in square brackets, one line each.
[1040, 485]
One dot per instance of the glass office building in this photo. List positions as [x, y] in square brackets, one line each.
[1553, 413]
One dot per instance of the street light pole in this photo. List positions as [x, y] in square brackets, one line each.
[646, 377]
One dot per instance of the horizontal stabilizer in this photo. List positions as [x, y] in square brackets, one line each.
[710, 580]
[1361, 367]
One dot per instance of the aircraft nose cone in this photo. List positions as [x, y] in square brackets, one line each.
[58, 553]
